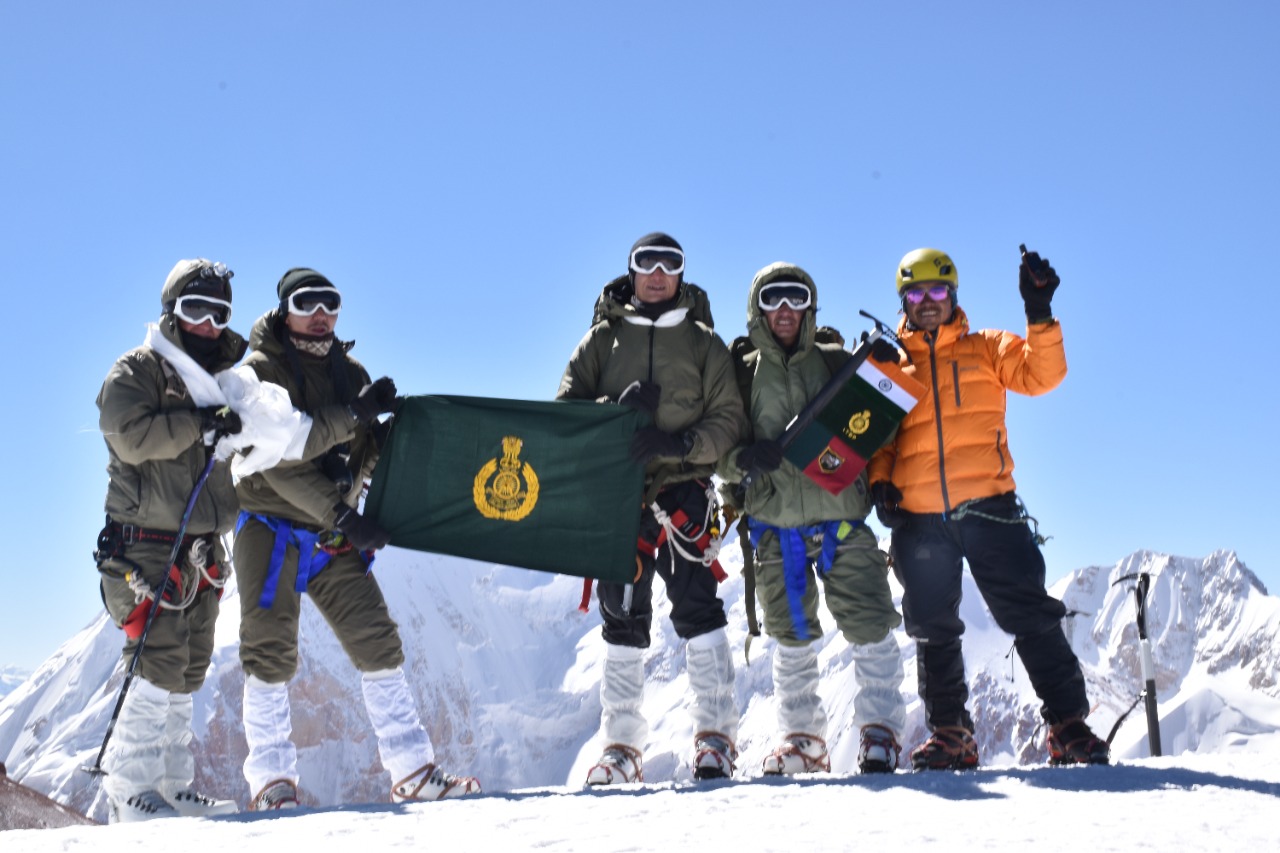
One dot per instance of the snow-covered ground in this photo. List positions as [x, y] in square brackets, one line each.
[1191, 802]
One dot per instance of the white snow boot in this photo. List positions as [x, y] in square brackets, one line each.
[618, 765]
[180, 765]
[800, 713]
[714, 756]
[878, 707]
[714, 709]
[622, 697]
[149, 805]
[622, 722]
[799, 753]
[878, 750]
[429, 783]
[134, 762]
[403, 743]
[795, 683]
[274, 796]
[272, 756]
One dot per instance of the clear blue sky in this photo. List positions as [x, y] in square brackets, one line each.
[470, 174]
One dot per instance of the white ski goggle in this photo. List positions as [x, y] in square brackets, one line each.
[795, 294]
[306, 301]
[203, 309]
[647, 259]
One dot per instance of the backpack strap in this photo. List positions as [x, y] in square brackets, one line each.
[745, 357]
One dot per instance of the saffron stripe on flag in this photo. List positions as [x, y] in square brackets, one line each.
[889, 380]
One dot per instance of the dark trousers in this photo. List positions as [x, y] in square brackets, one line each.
[691, 587]
[179, 645]
[928, 553]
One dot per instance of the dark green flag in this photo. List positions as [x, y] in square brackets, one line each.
[540, 485]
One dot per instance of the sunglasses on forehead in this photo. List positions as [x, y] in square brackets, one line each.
[306, 301]
[936, 292]
[201, 309]
[647, 259]
[793, 293]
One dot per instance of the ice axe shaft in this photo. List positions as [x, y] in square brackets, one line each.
[1148, 665]
[160, 592]
[1148, 694]
[1035, 266]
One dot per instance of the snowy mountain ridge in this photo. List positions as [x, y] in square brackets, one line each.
[506, 671]
[10, 678]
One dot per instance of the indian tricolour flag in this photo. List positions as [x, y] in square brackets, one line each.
[860, 418]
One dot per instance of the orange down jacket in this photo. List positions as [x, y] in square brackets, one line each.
[953, 446]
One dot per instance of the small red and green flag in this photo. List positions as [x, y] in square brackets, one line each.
[858, 420]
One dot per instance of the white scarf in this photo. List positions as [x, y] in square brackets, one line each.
[272, 429]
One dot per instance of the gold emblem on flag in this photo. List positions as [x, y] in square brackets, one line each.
[506, 488]
[859, 423]
[829, 461]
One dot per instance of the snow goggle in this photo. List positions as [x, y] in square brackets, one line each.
[647, 259]
[203, 309]
[306, 301]
[796, 295]
[216, 270]
[936, 292]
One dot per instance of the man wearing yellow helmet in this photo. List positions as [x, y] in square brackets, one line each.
[945, 488]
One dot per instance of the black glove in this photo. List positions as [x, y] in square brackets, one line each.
[1037, 281]
[220, 419]
[763, 456]
[641, 396]
[885, 496]
[374, 399]
[364, 534]
[882, 350]
[651, 442]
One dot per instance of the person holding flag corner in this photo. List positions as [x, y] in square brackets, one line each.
[300, 530]
[652, 348]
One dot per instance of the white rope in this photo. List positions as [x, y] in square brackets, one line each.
[197, 558]
[675, 536]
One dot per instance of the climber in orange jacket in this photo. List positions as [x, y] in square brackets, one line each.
[944, 487]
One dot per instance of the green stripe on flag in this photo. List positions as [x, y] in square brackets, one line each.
[808, 445]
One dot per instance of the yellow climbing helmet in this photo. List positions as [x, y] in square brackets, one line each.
[924, 265]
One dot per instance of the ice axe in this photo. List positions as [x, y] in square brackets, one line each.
[1148, 693]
